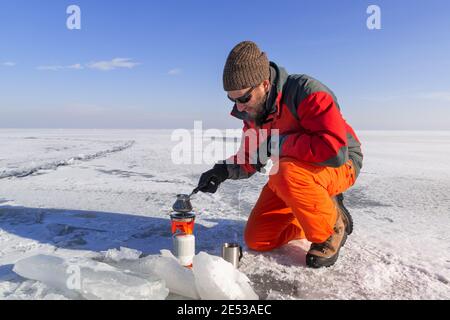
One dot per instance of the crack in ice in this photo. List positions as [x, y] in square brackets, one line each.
[61, 163]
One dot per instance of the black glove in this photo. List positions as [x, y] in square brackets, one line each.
[211, 179]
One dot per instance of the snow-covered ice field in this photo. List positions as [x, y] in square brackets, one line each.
[78, 193]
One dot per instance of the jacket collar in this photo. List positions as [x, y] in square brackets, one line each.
[278, 77]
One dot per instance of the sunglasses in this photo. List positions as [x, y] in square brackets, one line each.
[245, 98]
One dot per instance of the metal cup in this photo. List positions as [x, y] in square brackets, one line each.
[232, 252]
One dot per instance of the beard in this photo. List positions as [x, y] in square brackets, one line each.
[261, 112]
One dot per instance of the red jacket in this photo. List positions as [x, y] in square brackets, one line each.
[310, 123]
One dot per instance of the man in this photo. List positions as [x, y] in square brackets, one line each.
[319, 156]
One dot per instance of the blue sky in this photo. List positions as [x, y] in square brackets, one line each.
[51, 77]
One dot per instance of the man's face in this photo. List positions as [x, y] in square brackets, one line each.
[255, 106]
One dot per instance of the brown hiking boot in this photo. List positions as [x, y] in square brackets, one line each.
[326, 254]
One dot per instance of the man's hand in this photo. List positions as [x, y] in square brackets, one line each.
[211, 179]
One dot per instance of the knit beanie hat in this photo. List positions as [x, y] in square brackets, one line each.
[246, 67]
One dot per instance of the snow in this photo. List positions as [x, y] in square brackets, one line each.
[116, 188]
[122, 254]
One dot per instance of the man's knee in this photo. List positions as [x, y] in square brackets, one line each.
[249, 237]
[251, 240]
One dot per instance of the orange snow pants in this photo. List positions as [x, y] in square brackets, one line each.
[296, 203]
